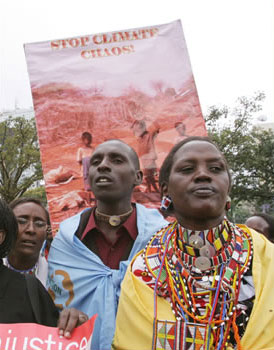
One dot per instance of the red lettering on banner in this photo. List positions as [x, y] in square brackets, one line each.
[106, 38]
[73, 42]
[64, 43]
[114, 51]
[153, 31]
[84, 40]
[96, 39]
[55, 44]
[109, 38]
[107, 53]
[128, 49]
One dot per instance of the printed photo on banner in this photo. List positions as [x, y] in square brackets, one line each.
[135, 85]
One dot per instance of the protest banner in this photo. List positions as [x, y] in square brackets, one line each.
[32, 336]
[136, 85]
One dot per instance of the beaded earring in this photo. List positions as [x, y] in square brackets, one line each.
[228, 203]
[165, 203]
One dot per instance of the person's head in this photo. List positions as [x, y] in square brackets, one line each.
[33, 221]
[262, 223]
[180, 128]
[8, 229]
[139, 128]
[114, 171]
[86, 138]
[196, 176]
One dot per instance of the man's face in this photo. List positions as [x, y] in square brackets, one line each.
[112, 174]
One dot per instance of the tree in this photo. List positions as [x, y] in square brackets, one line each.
[249, 151]
[20, 165]
[39, 193]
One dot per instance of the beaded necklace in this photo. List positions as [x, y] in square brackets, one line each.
[203, 302]
[31, 271]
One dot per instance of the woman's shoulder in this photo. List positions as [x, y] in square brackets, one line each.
[8, 275]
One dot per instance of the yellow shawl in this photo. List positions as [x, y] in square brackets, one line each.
[134, 323]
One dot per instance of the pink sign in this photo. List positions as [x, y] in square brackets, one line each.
[136, 85]
[31, 336]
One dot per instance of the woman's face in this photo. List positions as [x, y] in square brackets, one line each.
[198, 185]
[32, 229]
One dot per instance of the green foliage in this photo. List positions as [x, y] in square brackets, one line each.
[20, 165]
[249, 151]
[39, 193]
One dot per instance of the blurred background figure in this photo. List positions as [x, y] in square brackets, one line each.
[262, 223]
[181, 130]
[146, 151]
[83, 157]
[27, 255]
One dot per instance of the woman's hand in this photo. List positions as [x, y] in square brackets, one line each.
[69, 319]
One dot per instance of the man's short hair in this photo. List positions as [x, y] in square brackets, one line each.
[133, 153]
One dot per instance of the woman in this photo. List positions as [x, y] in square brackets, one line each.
[17, 298]
[33, 224]
[198, 279]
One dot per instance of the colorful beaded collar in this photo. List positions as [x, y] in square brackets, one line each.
[217, 286]
[30, 271]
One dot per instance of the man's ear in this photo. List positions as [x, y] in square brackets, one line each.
[2, 236]
[164, 189]
[138, 178]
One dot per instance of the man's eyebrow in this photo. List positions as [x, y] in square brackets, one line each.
[97, 155]
[111, 155]
[116, 154]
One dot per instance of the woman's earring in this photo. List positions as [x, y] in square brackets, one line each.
[165, 203]
[228, 203]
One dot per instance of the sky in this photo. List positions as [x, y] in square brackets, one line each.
[230, 43]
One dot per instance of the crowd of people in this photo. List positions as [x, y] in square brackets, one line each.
[197, 281]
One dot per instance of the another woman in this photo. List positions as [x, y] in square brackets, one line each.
[33, 222]
[202, 282]
[27, 301]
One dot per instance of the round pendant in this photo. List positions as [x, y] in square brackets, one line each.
[196, 241]
[207, 251]
[114, 220]
[202, 263]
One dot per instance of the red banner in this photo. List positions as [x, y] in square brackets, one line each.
[31, 336]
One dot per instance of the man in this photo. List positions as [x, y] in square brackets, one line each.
[146, 151]
[90, 254]
[262, 223]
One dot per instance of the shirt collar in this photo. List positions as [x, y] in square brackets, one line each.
[130, 224]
